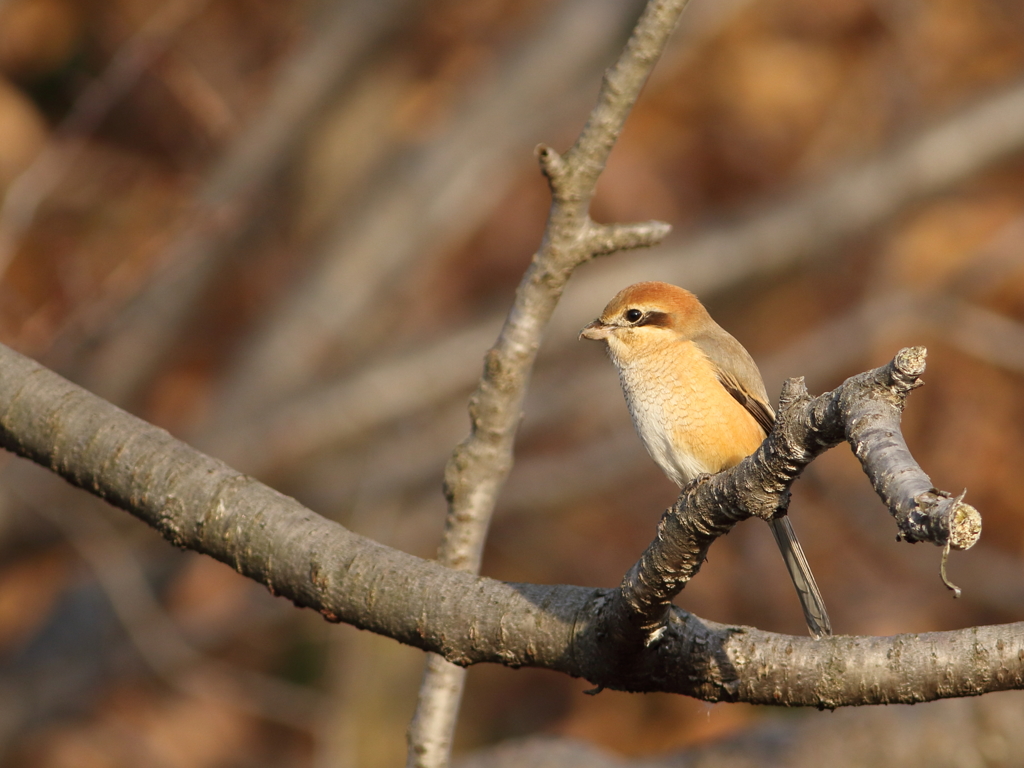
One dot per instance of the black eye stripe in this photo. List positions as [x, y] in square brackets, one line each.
[660, 319]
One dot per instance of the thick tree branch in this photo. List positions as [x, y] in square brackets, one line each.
[199, 503]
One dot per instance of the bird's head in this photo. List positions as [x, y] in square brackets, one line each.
[647, 315]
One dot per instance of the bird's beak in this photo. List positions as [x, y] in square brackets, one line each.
[596, 331]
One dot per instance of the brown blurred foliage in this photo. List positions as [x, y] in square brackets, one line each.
[161, 245]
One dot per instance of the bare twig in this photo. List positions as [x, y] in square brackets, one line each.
[436, 197]
[479, 466]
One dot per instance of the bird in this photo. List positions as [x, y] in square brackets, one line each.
[697, 401]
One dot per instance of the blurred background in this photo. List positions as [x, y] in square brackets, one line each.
[287, 231]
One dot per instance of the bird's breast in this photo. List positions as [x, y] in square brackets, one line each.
[688, 421]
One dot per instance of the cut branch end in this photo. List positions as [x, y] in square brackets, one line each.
[964, 525]
[909, 365]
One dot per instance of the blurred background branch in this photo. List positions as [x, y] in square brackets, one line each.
[312, 304]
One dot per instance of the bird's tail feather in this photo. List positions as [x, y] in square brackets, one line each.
[806, 588]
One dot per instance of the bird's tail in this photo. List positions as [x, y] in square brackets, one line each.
[806, 588]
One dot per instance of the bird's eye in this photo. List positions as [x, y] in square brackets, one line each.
[633, 315]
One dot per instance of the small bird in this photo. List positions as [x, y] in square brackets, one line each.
[697, 400]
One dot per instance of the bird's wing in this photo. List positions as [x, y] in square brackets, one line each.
[760, 410]
[738, 373]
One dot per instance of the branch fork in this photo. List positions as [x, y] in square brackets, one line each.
[568, 195]
[199, 503]
[865, 410]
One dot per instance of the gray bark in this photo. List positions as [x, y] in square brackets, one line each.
[479, 466]
[199, 503]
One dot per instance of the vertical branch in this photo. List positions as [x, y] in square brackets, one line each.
[480, 465]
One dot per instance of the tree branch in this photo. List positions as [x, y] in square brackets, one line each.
[479, 466]
[433, 196]
[865, 411]
[199, 503]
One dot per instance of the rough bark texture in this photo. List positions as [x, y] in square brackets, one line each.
[199, 503]
[866, 411]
